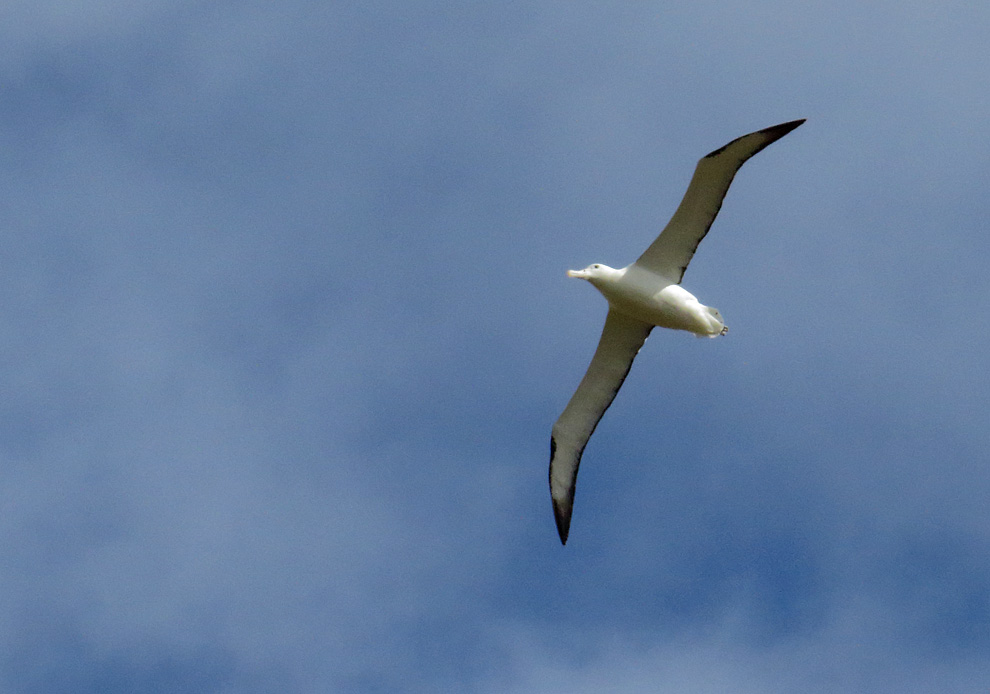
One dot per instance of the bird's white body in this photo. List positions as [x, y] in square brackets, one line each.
[652, 298]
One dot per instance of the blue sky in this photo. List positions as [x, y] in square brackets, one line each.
[285, 326]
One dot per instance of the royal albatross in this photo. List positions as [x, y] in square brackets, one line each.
[641, 296]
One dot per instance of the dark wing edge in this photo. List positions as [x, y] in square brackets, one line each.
[622, 337]
[673, 249]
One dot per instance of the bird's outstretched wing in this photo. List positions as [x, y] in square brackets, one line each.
[621, 340]
[670, 254]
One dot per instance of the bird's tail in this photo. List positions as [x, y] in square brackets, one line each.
[718, 326]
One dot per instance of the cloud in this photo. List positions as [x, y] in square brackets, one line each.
[285, 323]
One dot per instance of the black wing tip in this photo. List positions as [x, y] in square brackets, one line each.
[561, 510]
[563, 517]
[773, 133]
[784, 128]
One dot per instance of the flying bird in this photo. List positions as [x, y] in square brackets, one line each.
[640, 296]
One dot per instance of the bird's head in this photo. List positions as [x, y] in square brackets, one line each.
[593, 273]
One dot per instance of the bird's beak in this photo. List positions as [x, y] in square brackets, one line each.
[576, 273]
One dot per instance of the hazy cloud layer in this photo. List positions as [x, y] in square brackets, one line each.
[285, 325]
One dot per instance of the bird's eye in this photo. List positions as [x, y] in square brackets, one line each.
[596, 266]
